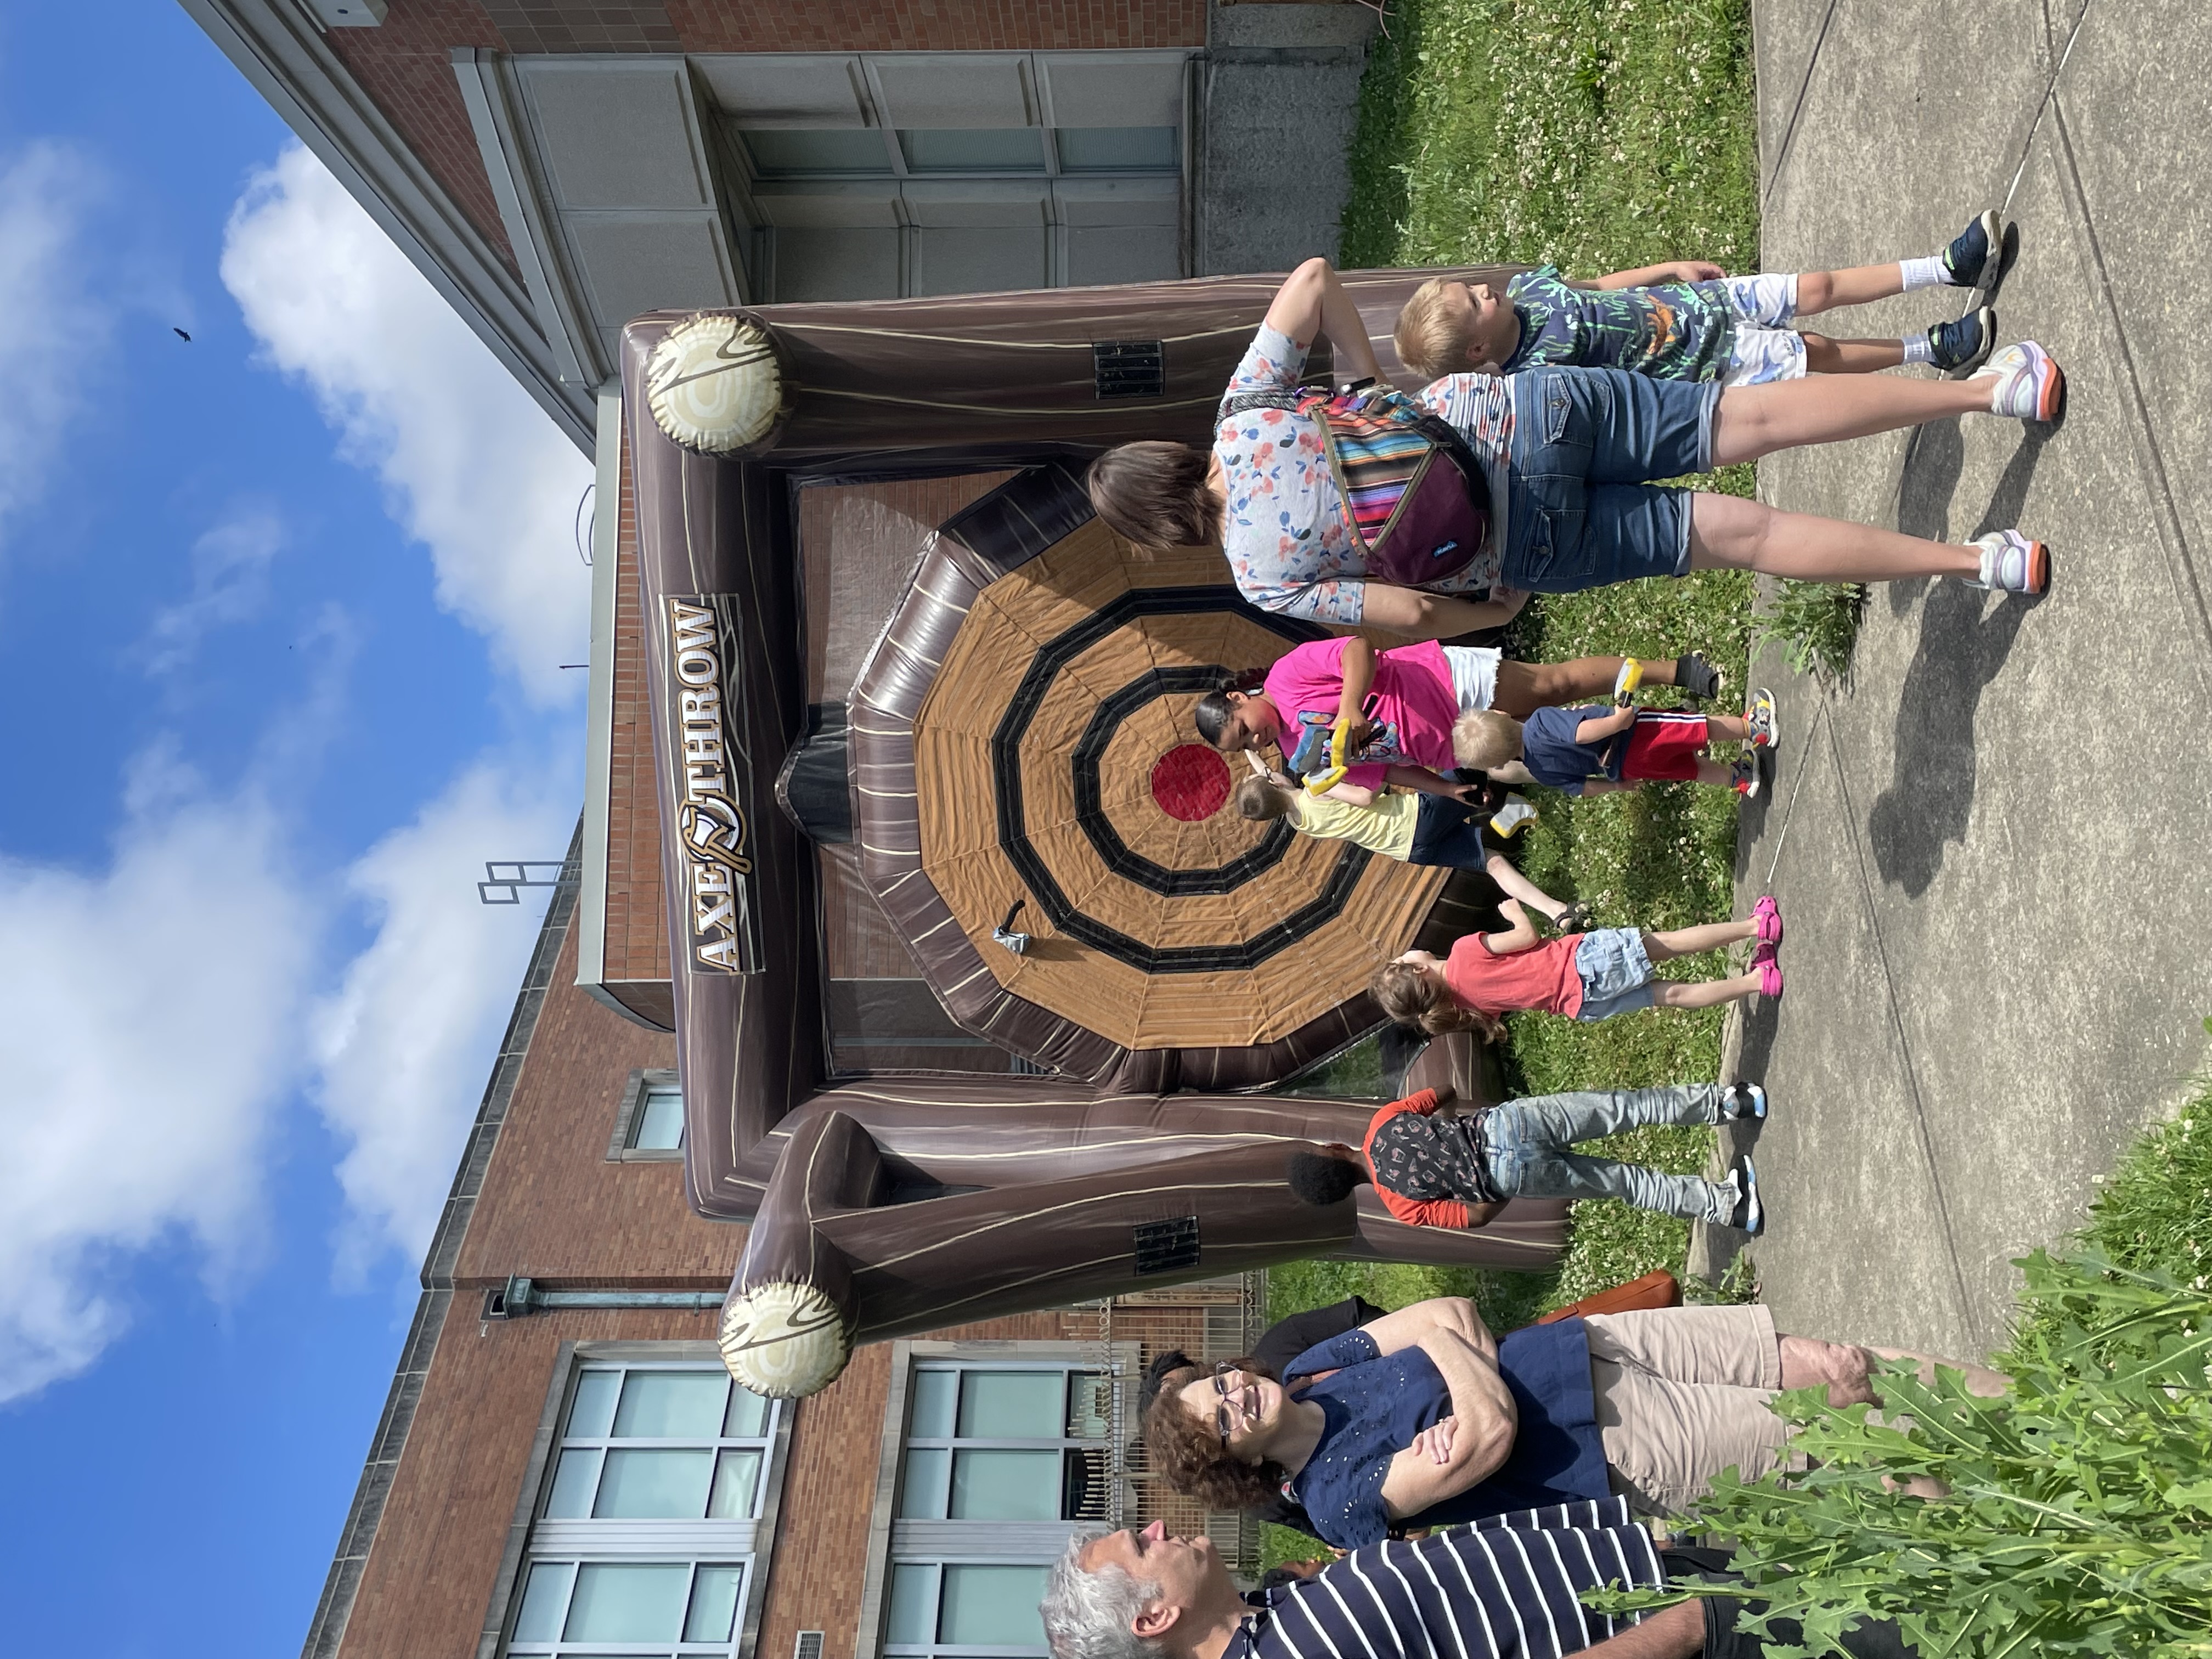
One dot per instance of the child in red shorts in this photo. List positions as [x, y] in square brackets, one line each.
[1592, 751]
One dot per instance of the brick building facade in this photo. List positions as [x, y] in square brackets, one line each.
[467, 1508]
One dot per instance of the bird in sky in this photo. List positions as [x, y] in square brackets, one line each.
[181, 334]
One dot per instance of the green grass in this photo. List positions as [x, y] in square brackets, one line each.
[1816, 623]
[1596, 135]
[2155, 1211]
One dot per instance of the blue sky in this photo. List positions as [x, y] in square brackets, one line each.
[281, 617]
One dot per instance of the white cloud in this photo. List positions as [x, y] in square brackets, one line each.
[148, 1013]
[473, 468]
[53, 328]
[230, 584]
[406, 1043]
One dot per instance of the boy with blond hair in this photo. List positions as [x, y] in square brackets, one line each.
[1597, 750]
[1687, 320]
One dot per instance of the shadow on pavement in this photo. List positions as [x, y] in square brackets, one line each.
[1966, 636]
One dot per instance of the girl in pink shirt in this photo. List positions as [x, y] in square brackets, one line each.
[1402, 704]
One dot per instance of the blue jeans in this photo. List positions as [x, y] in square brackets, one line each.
[1525, 1145]
[1582, 511]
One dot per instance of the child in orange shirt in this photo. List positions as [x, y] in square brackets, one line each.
[1432, 1169]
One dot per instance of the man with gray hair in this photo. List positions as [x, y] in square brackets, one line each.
[1506, 1588]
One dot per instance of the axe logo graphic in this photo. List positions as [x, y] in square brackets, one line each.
[712, 775]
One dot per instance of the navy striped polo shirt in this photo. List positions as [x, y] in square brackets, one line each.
[1505, 1588]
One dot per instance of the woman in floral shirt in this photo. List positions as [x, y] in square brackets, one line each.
[1570, 452]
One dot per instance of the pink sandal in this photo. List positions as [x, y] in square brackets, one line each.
[1768, 914]
[1768, 967]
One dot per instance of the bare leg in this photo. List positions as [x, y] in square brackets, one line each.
[1826, 357]
[1979, 1378]
[1728, 533]
[1724, 727]
[1753, 420]
[1847, 1368]
[1702, 993]
[1517, 885]
[1688, 941]
[1719, 773]
[1818, 290]
[1525, 687]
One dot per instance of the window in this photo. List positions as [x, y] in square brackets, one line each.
[646, 1537]
[990, 1442]
[973, 150]
[1119, 149]
[649, 1123]
[785, 153]
[999, 1457]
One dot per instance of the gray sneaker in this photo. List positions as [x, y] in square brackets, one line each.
[1749, 1217]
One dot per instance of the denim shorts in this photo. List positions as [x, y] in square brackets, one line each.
[1615, 972]
[1580, 512]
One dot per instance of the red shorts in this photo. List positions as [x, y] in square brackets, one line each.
[1664, 743]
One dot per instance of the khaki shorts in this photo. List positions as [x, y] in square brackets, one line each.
[1681, 1395]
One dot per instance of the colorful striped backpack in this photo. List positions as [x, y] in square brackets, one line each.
[1417, 497]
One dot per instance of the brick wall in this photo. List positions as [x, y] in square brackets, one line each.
[406, 69]
[637, 911]
[552, 1207]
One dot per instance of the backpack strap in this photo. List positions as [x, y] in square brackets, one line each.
[1240, 402]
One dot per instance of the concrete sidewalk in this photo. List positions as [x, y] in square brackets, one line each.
[1992, 849]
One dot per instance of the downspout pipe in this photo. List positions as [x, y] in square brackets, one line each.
[519, 1297]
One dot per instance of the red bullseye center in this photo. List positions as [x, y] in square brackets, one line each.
[1190, 782]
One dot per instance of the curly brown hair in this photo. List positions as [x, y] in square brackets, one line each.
[1188, 1452]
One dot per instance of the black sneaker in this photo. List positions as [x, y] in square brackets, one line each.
[1696, 677]
[1971, 250]
[1962, 347]
[1749, 1216]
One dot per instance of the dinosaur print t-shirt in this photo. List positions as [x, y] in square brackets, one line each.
[1676, 332]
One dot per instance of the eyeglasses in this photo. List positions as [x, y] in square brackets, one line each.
[1233, 1411]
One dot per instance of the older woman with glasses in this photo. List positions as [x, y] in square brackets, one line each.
[1421, 1417]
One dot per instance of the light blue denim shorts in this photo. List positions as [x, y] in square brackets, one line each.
[1616, 974]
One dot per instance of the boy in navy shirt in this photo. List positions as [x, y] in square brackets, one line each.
[1597, 751]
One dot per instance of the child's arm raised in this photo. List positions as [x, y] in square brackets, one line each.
[1430, 783]
[1674, 271]
[1311, 302]
[1599, 727]
[1351, 795]
[1521, 936]
[1356, 678]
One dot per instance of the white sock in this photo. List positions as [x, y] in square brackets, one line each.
[1918, 348]
[1923, 273]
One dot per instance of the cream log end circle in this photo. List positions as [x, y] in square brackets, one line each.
[713, 383]
[784, 1340]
